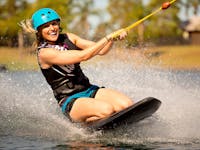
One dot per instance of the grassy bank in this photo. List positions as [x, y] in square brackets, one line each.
[174, 57]
[15, 59]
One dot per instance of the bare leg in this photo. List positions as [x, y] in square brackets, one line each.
[118, 100]
[90, 109]
[105, 103]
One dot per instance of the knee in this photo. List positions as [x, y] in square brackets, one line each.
[129, 103]
[124, 105]
[106, 110]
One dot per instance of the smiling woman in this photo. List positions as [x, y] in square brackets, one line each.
[50, 31]
[59, 57]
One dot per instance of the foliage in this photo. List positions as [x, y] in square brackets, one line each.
[126, 13]
[10, 15]
[75, 14]
[13, 11]
[81, 10]
[151, 30]
[164, 26]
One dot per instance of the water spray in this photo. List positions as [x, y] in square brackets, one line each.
[164, 6]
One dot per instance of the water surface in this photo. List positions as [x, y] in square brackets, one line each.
[31, 119]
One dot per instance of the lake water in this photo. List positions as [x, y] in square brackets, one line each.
[31, 119]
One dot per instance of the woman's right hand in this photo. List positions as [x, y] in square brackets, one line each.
[117, 35]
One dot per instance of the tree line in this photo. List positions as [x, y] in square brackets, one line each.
[75, 14]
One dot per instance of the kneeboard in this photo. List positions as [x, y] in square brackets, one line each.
[132, 114]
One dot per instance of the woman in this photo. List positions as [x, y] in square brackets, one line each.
[59, 56]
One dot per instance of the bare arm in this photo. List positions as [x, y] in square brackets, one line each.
[82, 43]
[120, 36]
[50, 56]
[106, 48]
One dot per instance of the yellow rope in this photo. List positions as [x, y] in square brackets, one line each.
[140, 21]
[172, 1]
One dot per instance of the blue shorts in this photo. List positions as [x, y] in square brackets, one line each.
[90, 92]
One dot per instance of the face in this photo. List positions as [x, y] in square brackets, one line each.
[50, 31]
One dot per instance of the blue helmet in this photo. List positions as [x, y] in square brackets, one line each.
[43, 16]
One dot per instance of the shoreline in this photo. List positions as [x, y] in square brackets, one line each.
[164, 57]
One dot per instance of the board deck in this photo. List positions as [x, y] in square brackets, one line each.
[140, 110]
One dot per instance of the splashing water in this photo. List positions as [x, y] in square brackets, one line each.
[28, 108]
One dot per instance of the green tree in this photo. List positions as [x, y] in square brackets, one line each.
[9, 16]
[164, 26]
[74, 14]
[81, 12]
[124, 13]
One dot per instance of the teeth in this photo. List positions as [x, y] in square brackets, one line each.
[53, 33]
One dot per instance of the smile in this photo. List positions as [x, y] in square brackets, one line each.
[53, 33]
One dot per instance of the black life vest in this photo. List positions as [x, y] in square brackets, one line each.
[65, 80]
